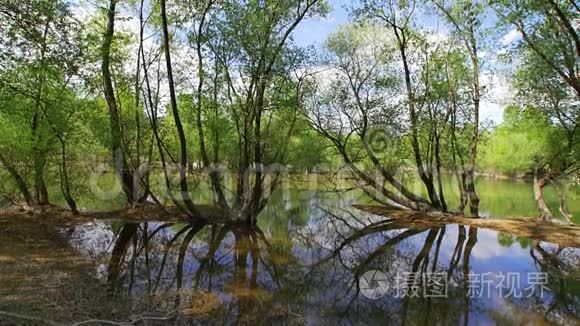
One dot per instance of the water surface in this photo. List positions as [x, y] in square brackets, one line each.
[307, 262]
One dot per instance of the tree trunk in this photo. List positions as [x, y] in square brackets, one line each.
[138, 178]
[20, 183]
[123, 172]
[153, 109]
[173, 101]
[459, 170]
[467, 34]
[438, 170]
[427, 178]
[470, 185]
[539, 183]
[41, 193]
[64, 182]
[213, 174]
[563, 206]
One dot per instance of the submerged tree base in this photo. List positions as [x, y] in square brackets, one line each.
[529, 227]
[143, 212]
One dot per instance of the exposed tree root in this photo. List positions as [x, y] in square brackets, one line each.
[143, 212]
[533, 228]
[565, 235]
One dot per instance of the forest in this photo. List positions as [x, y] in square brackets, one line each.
[223, 119]
[382, 95]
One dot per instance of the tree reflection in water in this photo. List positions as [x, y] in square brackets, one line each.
[309, 272]
[224, 265]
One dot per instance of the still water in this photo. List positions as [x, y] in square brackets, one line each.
[312, 260]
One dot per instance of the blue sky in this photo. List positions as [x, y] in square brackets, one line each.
[315, 31]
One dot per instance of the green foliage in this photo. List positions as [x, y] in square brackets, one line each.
[256, 77]
[525, 138]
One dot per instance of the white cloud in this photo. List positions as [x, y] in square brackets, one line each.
[499, 88]
[438, 37]
[491, 111]
[498, 94]
[82, 10]
[510, 37]
[493, 249]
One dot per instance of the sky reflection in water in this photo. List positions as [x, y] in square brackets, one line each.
[304, 262]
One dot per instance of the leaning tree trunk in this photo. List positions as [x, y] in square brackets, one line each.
[539, 183]
[562, 197]
[20, 183]
[65, 183]
[425, 176]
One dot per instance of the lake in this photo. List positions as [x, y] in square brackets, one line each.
[313, 259]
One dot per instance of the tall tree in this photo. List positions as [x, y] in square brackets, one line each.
[245, 81]
[465, 18]
[175, 112]
[398, 17]
[547, 29]
[40, 54]
[126, 160]
[547, 80]
[358, 110]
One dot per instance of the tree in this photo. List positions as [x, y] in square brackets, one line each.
[359, 106]
[547, 79]
[40, 54]
[441, 93]
[254, 37]
[118, 150]
[465, 18]
[397, 16]
[547, 29]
